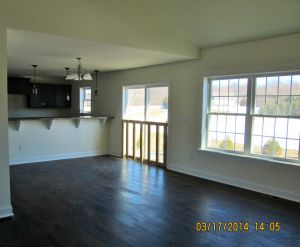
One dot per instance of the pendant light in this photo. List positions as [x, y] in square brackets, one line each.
[34, 88]
[79, 74]
[68, 93]
[96, 89]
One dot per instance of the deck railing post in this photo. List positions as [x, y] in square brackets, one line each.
[149, 142]
[141, 141]
[165, 144]
[127, 123]
[133, 141]
[157, 144]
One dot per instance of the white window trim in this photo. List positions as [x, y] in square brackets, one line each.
[248, 121]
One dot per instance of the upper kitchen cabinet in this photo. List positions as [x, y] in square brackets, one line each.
[49, 96]
[18, 85]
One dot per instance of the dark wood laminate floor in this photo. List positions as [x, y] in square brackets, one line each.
[106, 201]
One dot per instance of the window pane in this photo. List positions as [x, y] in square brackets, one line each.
[229, 143]
[256, 145]
[296, 85]
[233, 87]
[270, 107]
[213, 122]
[261, 86]
[232, 104]
[260, 104]
[212, 139]
[283, 107]
[257, 126]
[268, 146]
[243, 83]
[157, 109]
[295, 106]
[134, 104]
[294, 128]
[221, 123]
[224, 88]
[269, 124]
[215, 88]
[239, 142]
[240, 124]
[242, 105]
[272, 85]
[223, 107]
[230, 125]
[279, 147]
[292, 149]
[281, 127]
[214, 104]
[221, 140]
[284, 85]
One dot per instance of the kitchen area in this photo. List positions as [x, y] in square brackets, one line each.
[50, 120]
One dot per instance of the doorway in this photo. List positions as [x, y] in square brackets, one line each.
[145, 123]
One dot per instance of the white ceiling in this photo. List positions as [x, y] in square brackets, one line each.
[122, 34]
[210, 23]
[54, 53]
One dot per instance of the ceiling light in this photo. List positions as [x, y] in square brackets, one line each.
[78, 74]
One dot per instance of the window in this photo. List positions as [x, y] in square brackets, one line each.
[85, 100]
[146, 103]
[255, 115]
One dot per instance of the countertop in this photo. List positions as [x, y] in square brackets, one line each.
[51, 118]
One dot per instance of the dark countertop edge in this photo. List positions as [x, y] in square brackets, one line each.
[53, 118]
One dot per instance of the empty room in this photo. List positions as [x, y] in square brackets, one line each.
[149, 123]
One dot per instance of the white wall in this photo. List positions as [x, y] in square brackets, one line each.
[5, 204]
[34, 142]
[282, 53]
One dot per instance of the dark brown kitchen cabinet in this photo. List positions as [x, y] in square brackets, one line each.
[63, 96]
[18, 85]
[49, 96]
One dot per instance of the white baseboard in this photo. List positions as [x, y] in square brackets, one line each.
[238, 183]
[6, 212]
[42, 158]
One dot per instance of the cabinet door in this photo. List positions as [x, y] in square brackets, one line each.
[34, 100]
[48, 96]
[16, 85]
[63, 96]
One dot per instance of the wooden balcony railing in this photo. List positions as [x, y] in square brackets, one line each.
[145, 141]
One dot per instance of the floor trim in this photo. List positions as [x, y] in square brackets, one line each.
[6, 212]
[43, 158]
[238, 183]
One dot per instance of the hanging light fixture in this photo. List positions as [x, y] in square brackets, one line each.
[96, 89]
[34, 88]
[78, 74]
[68, 93]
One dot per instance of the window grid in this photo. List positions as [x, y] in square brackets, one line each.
[251, 113]
[86, 100]
[225, 113]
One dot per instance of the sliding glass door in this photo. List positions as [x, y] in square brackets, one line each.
[145, 123]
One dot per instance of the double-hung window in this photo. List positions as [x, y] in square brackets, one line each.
[255, 115]
[85, 100]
